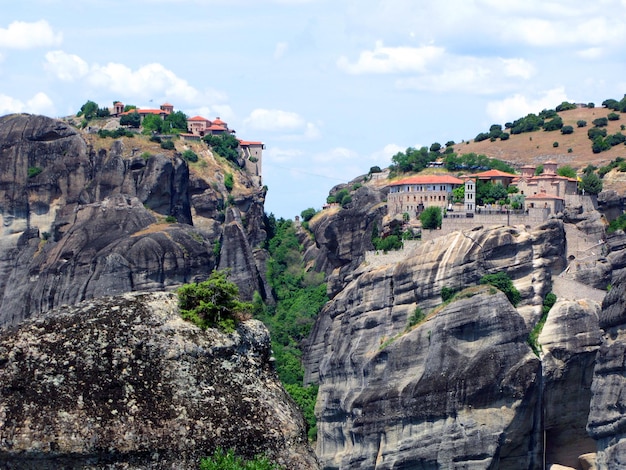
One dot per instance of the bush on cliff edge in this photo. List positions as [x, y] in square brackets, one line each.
[213, 303]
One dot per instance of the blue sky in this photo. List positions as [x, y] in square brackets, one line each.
[331, 87]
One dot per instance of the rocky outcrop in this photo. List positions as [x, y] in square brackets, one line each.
[569, 341]
[432, 398]
[83, 217]
[374, 400]
[342, 236]
[125, 383]
[607, 421]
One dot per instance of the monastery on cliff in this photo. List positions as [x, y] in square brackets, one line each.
[544, 195]
[198, 127]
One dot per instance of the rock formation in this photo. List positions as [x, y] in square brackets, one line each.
[570, 340]
[342, 236]
[463, 377]
[84, 217]
[124, 382]
[607, 420]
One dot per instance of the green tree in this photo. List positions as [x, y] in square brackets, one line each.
[213, 303]
[151, 123]
[600, 122]
[612, 117]
[225, 145]
[435, 147]
[175, 121]
[591, 183]
[538, 170]
[88, 110]
[566, 171]
[227, 460]
[581, 123]
[131, 120]
[431, 218]
[458, 194]
[307, 214]
[565, 106]
[503, 282]
[567, 130]
[229, 181]
[192, 157]
[553, 125]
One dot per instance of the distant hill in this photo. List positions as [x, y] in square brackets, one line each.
[538, 146]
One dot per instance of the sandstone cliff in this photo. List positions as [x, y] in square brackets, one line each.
[463, 388]
[607, 420]
[124, 382]
[84, 217]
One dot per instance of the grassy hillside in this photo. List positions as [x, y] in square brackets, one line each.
[538, 146]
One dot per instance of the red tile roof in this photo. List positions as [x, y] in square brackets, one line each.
[249, 142]
[428, 179]
[198, 118]
[493, 174]
[544, 196]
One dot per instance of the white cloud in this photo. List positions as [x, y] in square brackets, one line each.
[40, 103]
[285, 125]
[274, 120]
[338, 156]
[22, 35]
[591, 53]
[66, 67]
[280, 50]
[383, 157]
[471, 75]
[519, 105]
[280, 155]
[147, 82]
[392, 59]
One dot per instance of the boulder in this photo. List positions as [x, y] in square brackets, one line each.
[124, 382]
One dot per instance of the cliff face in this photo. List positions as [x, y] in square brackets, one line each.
[607, 421]
[342, 236]
[81, 222]
[463, 388]
[124, 382]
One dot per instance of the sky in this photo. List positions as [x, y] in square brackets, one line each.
[331, 87]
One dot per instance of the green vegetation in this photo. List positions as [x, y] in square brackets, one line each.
[190, 156]
[565, 106]
[472, 161]
[548, 302]
[565, 130]
[131, 120]
[341, 197]
[307, 214]
[615, 105]
[412, 160]
[416, 317]
[591, 183]
[229, 181]
[503, 282]
[170, 219]
[600, 122]
[221, 460]
[447, 293]
[617, 163]
[617, 224]
[300, 295]
[431, 218]
[34, 171]
[225, 145]
[530, 123]
[554, 124]
[612, 117]
[566, 171]
[213, 303]
[581, 123]
[90, 110]
[167, 145]
[115, 134]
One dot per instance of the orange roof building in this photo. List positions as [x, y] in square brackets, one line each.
[412, 195]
